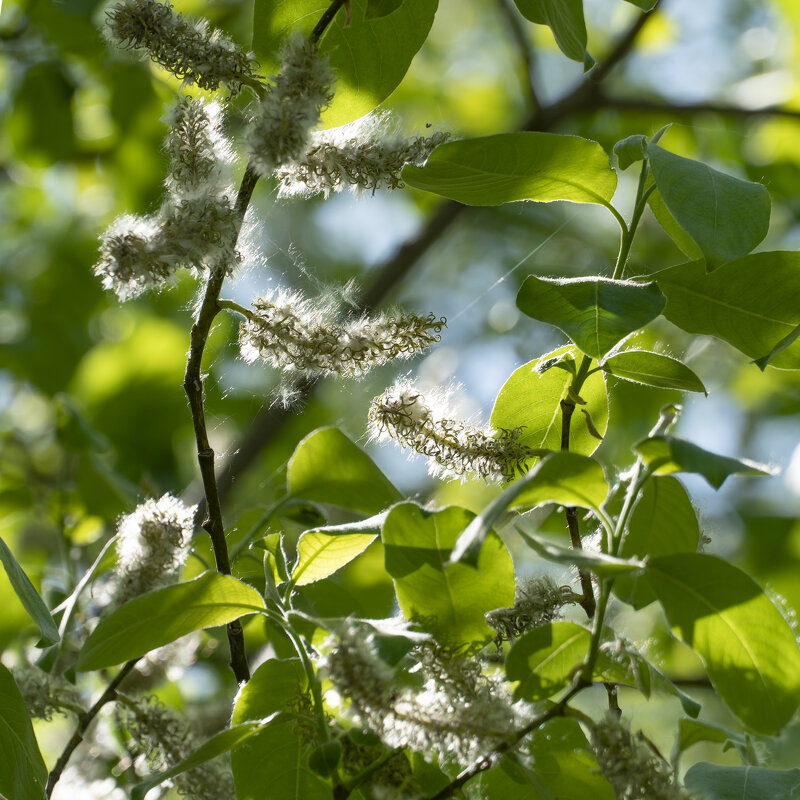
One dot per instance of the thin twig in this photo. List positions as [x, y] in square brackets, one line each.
[84, 721]
[518, 34]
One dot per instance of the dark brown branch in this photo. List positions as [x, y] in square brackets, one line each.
[691, 109]
[84, 721]
[270, 422]
[326, 19]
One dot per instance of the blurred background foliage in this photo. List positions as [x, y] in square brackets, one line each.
[92, 412]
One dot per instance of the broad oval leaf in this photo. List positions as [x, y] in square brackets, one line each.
[672, 228]
[596, 313]
[449, 600]
[275, 757]
[562, 477]
[564, 18]
[667, 454]
[322, 551]
[23, 774]
[653, 369]
[749, 651]
[370, 56]
[327, 467]
[630, 150]
[662, 523]
[164, 615]
[544, 659]
[743, 783]
[752, 303]
[725, 216]
[531, 400]
[28, 596]
[491, 170]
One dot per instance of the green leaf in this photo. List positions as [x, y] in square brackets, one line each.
[693, 731]
[564, 18]
[562, 477]
[672, 228]
[449, 600]
[29, 597]
[544, 659]
[725, 216]
[603, 565]
[275, 757]
[743, 783]
[667, 454]
[322, 551]
[328, 468]
[531, 400]
[653, 369]
[630, 150]
[370, 56]
[224, 741]
[23, 773]
[491, 170]
[164, 615]
[596, 313]
[325, 759]
[752, 303]
[664, 522]
[782, 345]
[749, 651]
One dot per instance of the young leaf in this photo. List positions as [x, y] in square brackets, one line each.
[275, 756]
[630, 150]
[531, 400]
[601, 564]
[322, 551]
[544, 660]
[562, 477]
[449, 600]
[327, 467]
[652, 369]
[29, 597]
[667, 454]
[564, 18]
[725, 216]
[23, 774]
[743, 783]
[693, 731]
[224, 741]
[164, 615]
[749, 651]
[491, 170]
[596, 313]
[371, 55]
[664, 522]
[752, 303]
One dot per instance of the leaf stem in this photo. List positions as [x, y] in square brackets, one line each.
[84, 721]
[629, 232]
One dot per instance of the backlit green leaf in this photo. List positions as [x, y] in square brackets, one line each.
[596, 313]
[630, 150]
[743, 783]
[164, 615]
[544, 659]
[725, 216]
[748, 648]
[667, 454]
[449, 600]
[28, 596]
[328, 468]
[752, 303]
[672, 228]
[564, 18]
[370, 56]
[23, 773]
[322, 551]
[653, 369]
[531, 400]
[491, 170]
[562, 477]
[662, 523]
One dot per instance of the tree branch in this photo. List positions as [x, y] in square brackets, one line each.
[84, 721]
[512, 17]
